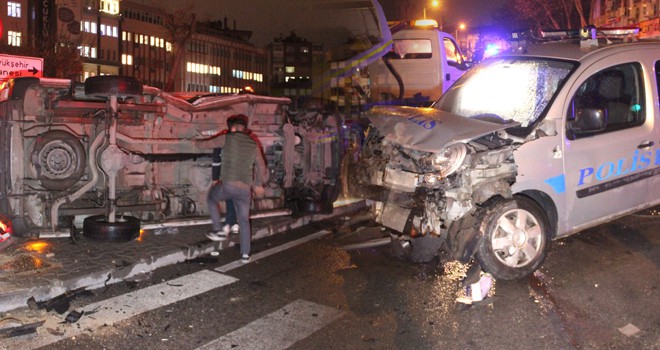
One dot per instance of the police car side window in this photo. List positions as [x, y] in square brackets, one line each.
[610, 100]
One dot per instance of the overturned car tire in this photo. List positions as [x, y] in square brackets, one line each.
[59, 158]
[124, 229]
[106, 85]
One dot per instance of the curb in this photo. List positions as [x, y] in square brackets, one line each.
[16, 299]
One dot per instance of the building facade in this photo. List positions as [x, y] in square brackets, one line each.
[221, 60]
[129, 38]
[293, 66]
[621, 13]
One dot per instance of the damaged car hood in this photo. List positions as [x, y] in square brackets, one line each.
[428, 129]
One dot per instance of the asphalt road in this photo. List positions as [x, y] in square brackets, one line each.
[315, 295]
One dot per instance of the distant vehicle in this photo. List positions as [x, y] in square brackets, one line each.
[422, 64]
[553, 138]
[110, 154]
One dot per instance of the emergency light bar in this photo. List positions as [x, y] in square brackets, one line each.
[559, 34]
[425, 23]
[589, 33]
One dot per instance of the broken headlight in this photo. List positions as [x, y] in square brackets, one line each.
[449, 159]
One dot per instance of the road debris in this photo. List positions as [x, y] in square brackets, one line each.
[629, 330]
[478, 285]
[368, 244]
[73, 316]
[60, 303]
[21, 329]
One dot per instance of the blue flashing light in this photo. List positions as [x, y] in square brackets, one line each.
[491, 49]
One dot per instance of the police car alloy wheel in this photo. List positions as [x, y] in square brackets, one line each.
[515, 233]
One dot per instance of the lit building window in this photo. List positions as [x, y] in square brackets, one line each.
[127, 60]
[87, 51]
[110, 6]
[102, 29]
[14, 9]
[114, 32]
[290, 69]
[88, 27]
[168, 46]
[13, 38]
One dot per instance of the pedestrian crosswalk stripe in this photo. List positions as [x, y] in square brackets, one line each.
[124, 306]
[279, 329]
[234, 264]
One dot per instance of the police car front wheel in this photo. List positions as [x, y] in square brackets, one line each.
[515, 240]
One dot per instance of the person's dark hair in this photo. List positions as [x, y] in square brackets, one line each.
[237, 119]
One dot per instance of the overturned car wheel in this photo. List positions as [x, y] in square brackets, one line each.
[59, 158]
[124, 229]
[106, 85]
[515, 237]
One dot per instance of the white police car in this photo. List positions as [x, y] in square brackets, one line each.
[529, 146]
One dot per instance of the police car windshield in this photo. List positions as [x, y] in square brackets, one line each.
[507, 89]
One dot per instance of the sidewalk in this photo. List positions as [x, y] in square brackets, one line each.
[46, 268]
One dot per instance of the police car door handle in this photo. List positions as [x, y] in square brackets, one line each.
[646, 144]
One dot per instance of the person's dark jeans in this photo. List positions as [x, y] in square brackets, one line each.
[241, 194]
[230, 215]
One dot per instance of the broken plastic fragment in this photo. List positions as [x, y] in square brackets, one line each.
[629, 330]
[73, 316]
[20, 330]
[480, 289]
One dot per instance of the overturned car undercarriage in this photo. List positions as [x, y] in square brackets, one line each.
[116, 153]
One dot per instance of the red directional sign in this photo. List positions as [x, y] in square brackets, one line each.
[20, 66]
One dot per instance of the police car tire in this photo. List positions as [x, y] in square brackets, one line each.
[75, 150]
[124, 229]
[106, 85]
[488, 221]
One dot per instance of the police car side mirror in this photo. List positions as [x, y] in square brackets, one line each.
[588, 121]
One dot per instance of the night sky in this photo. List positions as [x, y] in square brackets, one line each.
[270, 18]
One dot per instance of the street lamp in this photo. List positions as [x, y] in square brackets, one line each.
[461, 26]
[434, 3]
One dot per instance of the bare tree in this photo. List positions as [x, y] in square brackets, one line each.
[181, 27]
[549, 13]
[61, 56]
[579, 6]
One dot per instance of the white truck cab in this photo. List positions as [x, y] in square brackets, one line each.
[536, 144]
[423, 61]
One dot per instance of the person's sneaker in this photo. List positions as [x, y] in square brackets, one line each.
[245, 259]
[216, 236]
[234, 228]
[226, 229]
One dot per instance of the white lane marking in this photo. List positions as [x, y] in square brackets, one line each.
[237, 263]
[279, 329]
[124, 306]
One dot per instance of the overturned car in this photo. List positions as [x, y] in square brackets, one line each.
[111, 154]
[527, 147]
